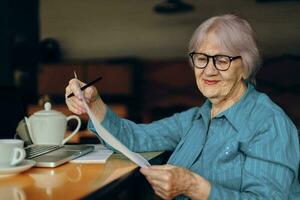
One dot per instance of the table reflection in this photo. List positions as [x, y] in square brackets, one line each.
[12, 193]
[54, 178]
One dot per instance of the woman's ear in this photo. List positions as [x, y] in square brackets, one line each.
[245, 73]
[244, 76]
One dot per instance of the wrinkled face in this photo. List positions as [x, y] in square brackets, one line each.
[218, 85]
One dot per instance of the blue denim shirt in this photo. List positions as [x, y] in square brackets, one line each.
[249, 151]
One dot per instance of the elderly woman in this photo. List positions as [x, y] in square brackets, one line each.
[237, 145]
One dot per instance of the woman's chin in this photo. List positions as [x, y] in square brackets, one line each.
[212, 97]
[209, 95]
[208, 92]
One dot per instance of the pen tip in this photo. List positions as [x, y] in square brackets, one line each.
[75, 75]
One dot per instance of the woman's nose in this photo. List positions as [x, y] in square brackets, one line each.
[210, 69]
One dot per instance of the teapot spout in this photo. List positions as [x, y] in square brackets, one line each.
[27, 122]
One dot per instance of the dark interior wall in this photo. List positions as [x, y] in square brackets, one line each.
[19, 45]
[6, 72]
[19, 40]
[12, 111]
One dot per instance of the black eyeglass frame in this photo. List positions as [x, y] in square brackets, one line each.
[231, 58]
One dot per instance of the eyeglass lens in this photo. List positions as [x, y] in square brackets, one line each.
[220, 62]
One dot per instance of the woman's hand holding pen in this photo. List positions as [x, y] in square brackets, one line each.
[91, 96]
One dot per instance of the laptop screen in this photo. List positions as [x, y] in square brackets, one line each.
[12, 111]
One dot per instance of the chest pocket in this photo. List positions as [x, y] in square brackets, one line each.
[227, 168]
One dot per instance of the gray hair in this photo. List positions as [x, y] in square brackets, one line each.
[235, 35]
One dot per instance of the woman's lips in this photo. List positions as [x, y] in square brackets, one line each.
[210, 82]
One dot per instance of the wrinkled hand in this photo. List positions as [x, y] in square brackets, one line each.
[75, 103]
[169, 181]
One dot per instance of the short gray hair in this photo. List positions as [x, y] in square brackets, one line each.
[235, 35]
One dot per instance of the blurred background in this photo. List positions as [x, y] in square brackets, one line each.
[140, 49]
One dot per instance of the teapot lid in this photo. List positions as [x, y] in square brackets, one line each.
[47, 111]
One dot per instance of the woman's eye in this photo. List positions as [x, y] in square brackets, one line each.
[222, 60]
[201, 59]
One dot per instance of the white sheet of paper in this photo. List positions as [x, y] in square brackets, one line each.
[114, 142]
[99, 155]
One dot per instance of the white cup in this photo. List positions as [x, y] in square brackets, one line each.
[12, 152]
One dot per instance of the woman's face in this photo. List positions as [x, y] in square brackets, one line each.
[219, 86]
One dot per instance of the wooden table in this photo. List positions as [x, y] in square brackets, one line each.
[69, 181]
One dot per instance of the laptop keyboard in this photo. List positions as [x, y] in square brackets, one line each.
[37, 150]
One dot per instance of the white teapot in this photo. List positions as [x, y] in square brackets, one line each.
[49, 126]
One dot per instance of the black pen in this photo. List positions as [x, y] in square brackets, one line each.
[86, 86]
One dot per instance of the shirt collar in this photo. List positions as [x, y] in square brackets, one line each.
[237, 113]
[205, 112]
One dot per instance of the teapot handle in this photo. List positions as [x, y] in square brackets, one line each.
[27, 123]
[76, 129]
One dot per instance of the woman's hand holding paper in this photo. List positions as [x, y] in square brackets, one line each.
[169, 181]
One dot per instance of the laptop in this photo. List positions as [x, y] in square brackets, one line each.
[44, 155]
[54, 155]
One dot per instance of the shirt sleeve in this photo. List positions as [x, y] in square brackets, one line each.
[271, 163]
[157, 136]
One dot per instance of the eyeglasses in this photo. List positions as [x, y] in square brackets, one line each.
[221, 62]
